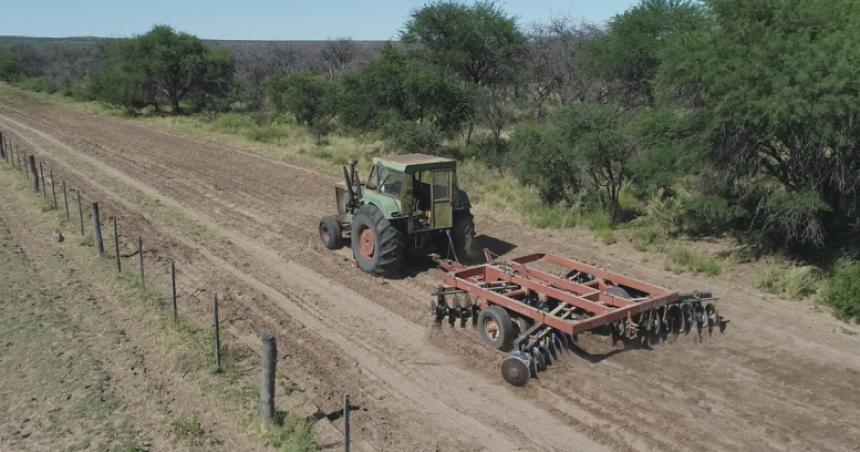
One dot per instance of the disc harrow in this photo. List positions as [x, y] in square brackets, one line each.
[536, 305]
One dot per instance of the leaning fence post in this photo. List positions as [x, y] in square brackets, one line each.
[267, 383]
[35, 180]
[217, 337]
[97, 230]
[53, 190]
[140, 257]
[2, 146]
[42, 176]
[66, 200]
[173, 287]
[116, 246]
[80, 211]
[346, 422]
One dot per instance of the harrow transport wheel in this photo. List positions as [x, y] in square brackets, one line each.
[330, 233]
[515, 369]
[376, 244]
[496, 328]
[463, 236]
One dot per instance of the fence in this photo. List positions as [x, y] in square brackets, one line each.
[34, 168]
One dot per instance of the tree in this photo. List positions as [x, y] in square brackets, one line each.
[164, 64]
[778, 106]
[338, 53]
[553, 61]
[8, 66]
[479, 42]
[402, 86]
[305, 96]
[629, 54]
[584, 148]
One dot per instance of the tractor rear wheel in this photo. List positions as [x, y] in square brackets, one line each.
[496, 329]
[377, 245]
[330, 233]
[463, 235]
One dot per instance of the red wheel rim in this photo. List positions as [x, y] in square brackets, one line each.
[367, 243]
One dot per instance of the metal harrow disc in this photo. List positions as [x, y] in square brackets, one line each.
[516, 369]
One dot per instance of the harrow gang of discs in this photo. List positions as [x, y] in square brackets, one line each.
[536, 314]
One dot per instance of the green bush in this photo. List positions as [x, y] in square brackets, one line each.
[680, 259]
[409, 136]
[842, 292]
[794, 282]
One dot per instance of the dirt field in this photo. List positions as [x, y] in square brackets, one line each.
[782, 377]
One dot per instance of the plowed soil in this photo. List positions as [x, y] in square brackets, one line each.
[783, 376]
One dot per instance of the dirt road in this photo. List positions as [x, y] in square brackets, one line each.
[782, 377]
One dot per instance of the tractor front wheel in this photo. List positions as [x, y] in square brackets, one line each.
[330, 234]
[377, 245]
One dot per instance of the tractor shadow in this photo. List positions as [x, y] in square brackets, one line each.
[417, 265]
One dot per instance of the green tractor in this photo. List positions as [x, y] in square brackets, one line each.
[409, 204]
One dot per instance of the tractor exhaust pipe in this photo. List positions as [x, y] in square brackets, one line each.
[352, 199]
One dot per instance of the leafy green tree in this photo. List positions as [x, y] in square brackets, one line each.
[629, 54]
[777, 100]
[310, 99]
[9, 70]
[164, 64]
[480, 42]
[543, 162]
[401, 86]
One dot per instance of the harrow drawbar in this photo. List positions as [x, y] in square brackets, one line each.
[535, 306]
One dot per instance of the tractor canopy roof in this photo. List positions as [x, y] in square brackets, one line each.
[411, 163]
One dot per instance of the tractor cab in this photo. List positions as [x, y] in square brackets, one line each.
[407, 203]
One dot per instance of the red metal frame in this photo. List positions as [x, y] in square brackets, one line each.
[592, 305]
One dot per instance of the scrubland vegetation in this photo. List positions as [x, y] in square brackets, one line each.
[677, 119]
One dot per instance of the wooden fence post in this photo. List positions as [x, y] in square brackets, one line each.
[2, 146]
[97, 230]
[53, 190]
[346, 422]
[66, 200]
[267, 383]
[42, 177]
[173, 287]
[80, 212]
[140, 257]
[116, 246]
[35, 180]
[217, 337]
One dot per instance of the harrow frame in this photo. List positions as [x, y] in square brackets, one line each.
[558, 308]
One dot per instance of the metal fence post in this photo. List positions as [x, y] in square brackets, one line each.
[2, 146]
[140, 257]
[217, 337]
[267, 382]
[53, 190]
[116, 246]
[80, 212]
[173, 287]
[66, 200]
[42, 176]
[97, 230]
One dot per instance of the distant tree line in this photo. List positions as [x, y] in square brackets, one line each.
[707, 116]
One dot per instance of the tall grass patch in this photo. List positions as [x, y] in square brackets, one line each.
[680, 259]
[794, 282]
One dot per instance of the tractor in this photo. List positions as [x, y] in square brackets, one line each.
[408, 205]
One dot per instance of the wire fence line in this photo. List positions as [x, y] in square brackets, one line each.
[34, 168]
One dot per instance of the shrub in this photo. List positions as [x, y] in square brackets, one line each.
[600, 222]
[410, 136]
[794, 282]
[680, 259]
[842, 292]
